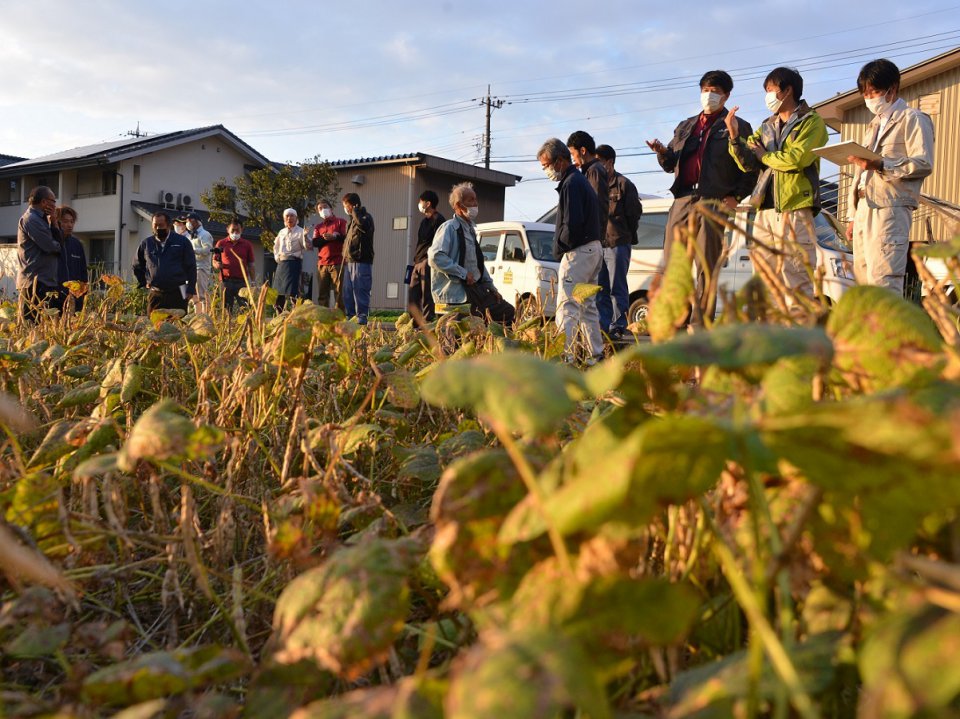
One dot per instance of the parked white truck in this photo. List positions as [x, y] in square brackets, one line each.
[519, 257]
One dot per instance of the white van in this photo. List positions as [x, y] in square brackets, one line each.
[834, 254]
[519, 258]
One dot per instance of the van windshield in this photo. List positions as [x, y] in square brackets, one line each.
[541, 244]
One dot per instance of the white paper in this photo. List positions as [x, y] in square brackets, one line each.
[183, 291]
[840, 151]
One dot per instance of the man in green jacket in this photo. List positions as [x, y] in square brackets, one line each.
[787, 195]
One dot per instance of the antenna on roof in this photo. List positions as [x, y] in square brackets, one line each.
[136, 133]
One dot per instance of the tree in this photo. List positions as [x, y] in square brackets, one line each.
[264, 194]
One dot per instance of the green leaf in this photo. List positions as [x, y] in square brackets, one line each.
[525, 675]
[160, 434]
[86, 393]
[720, 682]
[421, 466]
[520, 391]
[883, 341]
[908, 662]
[788, 385]
[469, 506]
[892, 454]
[461, 445]
[403, 390]
[38, 640]
[664, 461]
[605, 611]
[131, 383]
[356, 436]
[743, 345]
[670, 307]
[166, 332]
[55, 444]
[410, 698]
[201, 329]
[346, 614]
[162, 674]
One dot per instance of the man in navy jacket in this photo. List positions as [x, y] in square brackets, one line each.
[73, 259]
[167, 266]
[576, 243]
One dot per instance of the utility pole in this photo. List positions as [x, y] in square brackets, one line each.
[490, 104]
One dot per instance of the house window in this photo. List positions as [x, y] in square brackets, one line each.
[108, 182]
[136, 179]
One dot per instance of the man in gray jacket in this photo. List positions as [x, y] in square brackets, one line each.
[38, 250]
[885, 192]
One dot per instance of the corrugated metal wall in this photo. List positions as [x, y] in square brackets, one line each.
[945, 180]
[391, 191]
[386, 193]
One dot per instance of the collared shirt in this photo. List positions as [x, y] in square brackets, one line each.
[884, 117]
[237, 257]
[691, 165]
[290, 244]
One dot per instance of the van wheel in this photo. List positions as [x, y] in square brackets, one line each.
[637, 316]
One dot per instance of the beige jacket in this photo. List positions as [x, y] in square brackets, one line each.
[906, 146]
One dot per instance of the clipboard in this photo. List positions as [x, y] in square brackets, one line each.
[840, 151]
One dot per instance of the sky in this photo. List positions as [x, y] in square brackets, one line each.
[377, 77]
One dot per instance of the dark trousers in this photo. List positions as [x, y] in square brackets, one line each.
[614, 288]
[231, 293]
[328, 280]
[166, 300]
[420, 295]
[35, 299]
[709, 240]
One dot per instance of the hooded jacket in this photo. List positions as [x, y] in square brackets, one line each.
[789, 162]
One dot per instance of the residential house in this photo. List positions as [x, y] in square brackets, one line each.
[116, 186]
[933, 86]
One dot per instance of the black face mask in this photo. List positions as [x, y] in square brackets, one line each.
[161, 233]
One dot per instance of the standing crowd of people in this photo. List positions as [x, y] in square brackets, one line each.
[717, 159]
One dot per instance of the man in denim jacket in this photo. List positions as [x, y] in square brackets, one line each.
[452, 273]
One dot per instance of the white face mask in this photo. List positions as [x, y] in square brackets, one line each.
[711, 101]
[472, 213]
[326, 212]
[773, 102]
[234, 236]
[878, 105]
[551, 173]
[422, 208]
